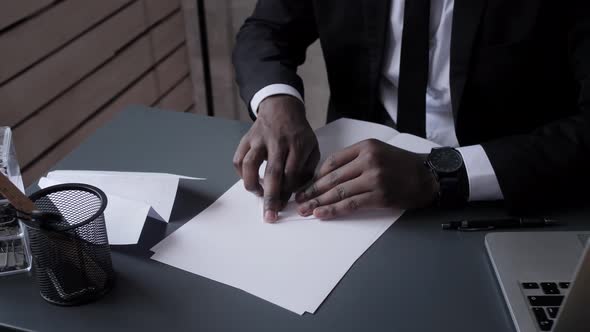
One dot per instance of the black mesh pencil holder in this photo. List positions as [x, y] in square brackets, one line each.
[71, 253]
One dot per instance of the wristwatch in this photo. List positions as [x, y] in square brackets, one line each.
[449, 170]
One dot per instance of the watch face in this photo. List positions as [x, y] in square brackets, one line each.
[445, 160]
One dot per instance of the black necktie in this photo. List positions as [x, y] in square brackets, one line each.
[413, 77]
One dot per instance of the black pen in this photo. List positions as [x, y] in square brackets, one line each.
[489, 224]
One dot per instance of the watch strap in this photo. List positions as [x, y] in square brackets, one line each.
[454, 190]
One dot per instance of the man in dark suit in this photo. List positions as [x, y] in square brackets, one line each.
[503, 84]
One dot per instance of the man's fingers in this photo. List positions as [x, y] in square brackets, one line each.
[339, 193]
[337, 159]
[329, 181]
[250, 165]
[273, 178]
[344, 207]
[241, 152]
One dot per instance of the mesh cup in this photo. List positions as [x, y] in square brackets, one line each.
[72, 257]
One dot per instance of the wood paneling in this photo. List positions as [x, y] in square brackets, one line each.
[50, 31]
[73, 64]
[45, 128]
[15, 10]
[172, 69]
[42, 130]
[142, 93]
[31, 90]
[179, 98]
[168, 34]
[155, 8]
[145, 91]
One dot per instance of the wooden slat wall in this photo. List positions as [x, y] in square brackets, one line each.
[13, 11]
[179, 98]
[67, 67]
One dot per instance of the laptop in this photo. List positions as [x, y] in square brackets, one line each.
[544, 277]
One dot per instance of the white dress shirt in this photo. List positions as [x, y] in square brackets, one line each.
[440, 127]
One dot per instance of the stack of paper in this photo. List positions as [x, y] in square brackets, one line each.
[294, 263]
[131, 198]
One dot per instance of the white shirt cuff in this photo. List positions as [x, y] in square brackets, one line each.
[483, 183]
[271, 90]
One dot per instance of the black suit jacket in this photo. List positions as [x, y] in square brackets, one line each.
[520, 78]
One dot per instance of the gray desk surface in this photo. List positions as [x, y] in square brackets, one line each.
[414, 278]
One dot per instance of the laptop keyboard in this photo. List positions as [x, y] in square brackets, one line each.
[544, 299]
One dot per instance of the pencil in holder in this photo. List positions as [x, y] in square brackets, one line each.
[71, 253]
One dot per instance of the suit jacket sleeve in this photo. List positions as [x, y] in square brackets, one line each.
[551, 164]
[271, 45]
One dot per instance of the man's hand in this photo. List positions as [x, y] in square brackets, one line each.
[282, 136]
[369, 174]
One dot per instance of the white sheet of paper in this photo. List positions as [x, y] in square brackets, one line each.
[343, 133]
[154, 189]
[412, 143]
[294, 264]
[124, 218]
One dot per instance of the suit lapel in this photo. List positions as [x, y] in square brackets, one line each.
[466, 18]
[376, 15]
